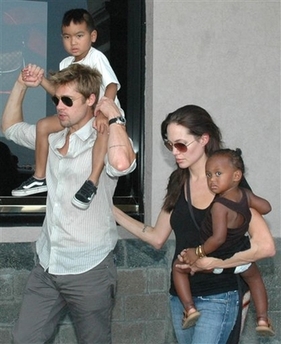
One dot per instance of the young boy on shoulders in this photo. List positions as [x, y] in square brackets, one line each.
[78, 35]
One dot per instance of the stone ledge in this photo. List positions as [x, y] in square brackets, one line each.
[141, 313]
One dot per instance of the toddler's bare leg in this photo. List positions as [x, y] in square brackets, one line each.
[254, 280]
[181, 281]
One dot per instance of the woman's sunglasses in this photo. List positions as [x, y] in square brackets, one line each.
[181, 147]
[66, 100]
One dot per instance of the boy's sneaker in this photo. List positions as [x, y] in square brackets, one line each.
[84, 195]
[30, 186]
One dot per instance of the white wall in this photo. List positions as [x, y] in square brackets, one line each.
[225, 57]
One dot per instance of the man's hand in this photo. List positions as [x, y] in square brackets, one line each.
[29, 77]
[108, 108]
[32, 75]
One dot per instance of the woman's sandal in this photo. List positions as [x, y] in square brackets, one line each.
[265, 330]
[189, 319]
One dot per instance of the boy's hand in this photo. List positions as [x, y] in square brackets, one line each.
[100, 123]
[32, 75]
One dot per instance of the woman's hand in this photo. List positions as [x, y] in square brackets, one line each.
[179, 264]
[203, 264]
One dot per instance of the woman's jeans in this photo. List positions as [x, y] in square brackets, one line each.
[218, 316]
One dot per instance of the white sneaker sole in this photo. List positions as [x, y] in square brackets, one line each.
[79, 204]
[32, 191]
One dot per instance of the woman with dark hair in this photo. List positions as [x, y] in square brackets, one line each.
[191, 135]
[9, 176]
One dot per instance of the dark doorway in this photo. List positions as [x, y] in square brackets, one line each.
[121, 37]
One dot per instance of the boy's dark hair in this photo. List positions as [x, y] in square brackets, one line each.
[78, 16]
[234, 157]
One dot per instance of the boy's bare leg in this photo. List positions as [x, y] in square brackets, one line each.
[86, 193]
[98, 155]
[181, 281]
[37, 183]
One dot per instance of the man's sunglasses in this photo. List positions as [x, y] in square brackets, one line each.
[181, 147]
[66, 100]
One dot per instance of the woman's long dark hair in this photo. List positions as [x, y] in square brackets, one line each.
[198, 122]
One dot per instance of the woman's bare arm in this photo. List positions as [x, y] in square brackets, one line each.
[155, 236]
[262, 246]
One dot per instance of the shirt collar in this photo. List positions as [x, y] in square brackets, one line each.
[86, 131]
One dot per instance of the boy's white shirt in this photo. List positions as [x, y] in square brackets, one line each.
[96, 59]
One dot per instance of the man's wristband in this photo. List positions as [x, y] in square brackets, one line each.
[118, 120]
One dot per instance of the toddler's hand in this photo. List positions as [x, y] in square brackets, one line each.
[188, 256]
